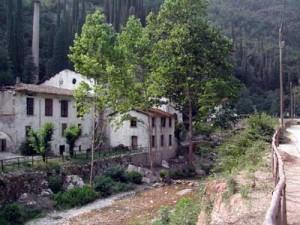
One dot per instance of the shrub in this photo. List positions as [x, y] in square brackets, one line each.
[245, 190]
[26, 149]
[134, 177]
[185, 212]
[75, 197]
[15, 214]
[55, 183]
[121, 187]
[104, 184]
[231, 188]
[116, 173]
[121, 148]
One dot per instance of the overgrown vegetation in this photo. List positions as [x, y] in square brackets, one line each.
[246, 148]
[75, 197]
[185, 212]
[116, 180]
[40, 140]
[15, 214]
[72, 134]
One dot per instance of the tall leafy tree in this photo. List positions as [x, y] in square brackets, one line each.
[190, 60]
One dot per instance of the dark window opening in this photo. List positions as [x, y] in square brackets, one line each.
[74, 81]
[170, 122]
[170, 140]
[48, 107]
[163, 122]
[133, 122]
[134, 142]
[30, 106]
[63, 128]
[27, 130]
[64, 107]
[153, 121]
[162, 140]
[153, 144]
[61, 149]
[2, 145]
[80, 127]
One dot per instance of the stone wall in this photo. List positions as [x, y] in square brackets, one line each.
[13, 185]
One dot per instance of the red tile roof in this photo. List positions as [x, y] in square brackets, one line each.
[43, 89]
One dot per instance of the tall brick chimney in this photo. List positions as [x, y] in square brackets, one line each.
[36, 38]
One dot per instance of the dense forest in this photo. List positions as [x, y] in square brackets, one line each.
[252, 25]
[59, 21]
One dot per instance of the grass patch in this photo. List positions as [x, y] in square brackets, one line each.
[185, 212]
[246, 149]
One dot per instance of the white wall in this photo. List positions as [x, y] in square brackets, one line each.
[38, 119]
[122, 134]
[65, 78]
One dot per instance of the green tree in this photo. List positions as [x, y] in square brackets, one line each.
[190, 60]
[72, 134]
[40, 140]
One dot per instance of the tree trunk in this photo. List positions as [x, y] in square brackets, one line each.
[149, 143]
[93, 146]
[190, 130]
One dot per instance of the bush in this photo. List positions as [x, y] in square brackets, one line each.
[245, 150]
[107, 186]
[185, 212]
[134, 177]
[186, 172]
[15, 214]
[75, 197]
[121, 148]
[55, 183]
[26, 149]
[116, 173]
[104, 184]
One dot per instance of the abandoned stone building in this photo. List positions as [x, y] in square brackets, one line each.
[29, 106]
[26, 106]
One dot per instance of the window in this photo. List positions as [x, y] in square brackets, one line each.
[48, 107]
[63, 128]
[80, 127]
[74, 81]
[134, 142]
[170, 122]
[133, 122]
[153, 121]
[170, 140]
[2, 145]
[64, 108]
[30, 106]
[153, 142]
[27, 129]
[162, 140]
[163, 122]
[61, 149]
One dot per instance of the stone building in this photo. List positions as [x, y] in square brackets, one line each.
[136, 132]
[25, 106]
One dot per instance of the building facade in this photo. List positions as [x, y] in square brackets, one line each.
[27, 106]
[155, 128]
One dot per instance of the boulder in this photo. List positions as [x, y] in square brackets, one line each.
[184, 192]
[200, 173]
[73, 181]
[165, 164]
[47, 193]
[27, 200]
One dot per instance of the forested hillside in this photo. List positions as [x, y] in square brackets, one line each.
[253, 26]
[60, 20]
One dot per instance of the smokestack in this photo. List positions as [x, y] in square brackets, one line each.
[36, 38]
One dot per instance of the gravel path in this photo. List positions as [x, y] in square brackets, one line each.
[62, 217]
[291, 157]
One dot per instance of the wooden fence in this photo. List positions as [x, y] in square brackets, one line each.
[276, 214]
